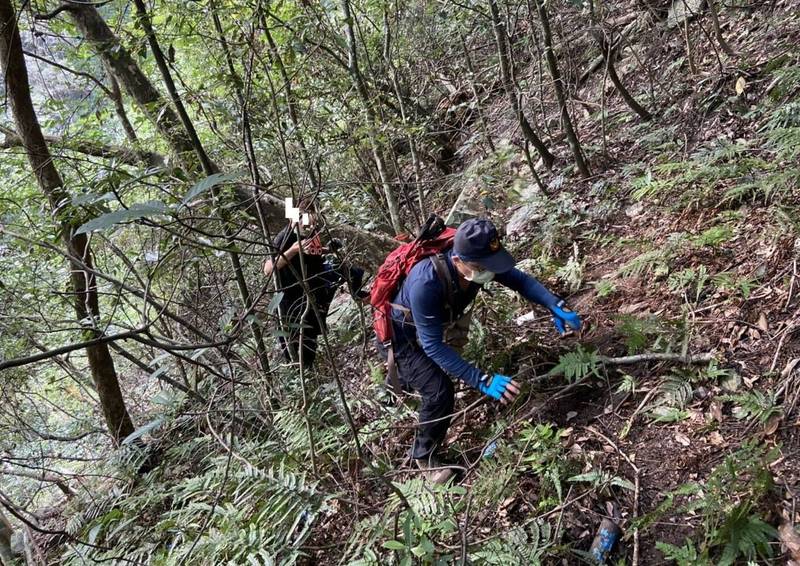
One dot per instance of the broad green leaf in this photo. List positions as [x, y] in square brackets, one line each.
[394, 545]
[668, 414]
[589, 477]
[94, 532]
[273, 304]
[142, 430]
[91, 198]
[208, 183]
[623, 483]
[134, 212]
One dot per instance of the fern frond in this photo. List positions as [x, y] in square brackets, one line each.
[755, 405]
[652, 261]
[577, 365]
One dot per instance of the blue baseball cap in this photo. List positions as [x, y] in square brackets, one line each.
[477, 241]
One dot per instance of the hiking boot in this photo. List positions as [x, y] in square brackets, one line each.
[439, 473]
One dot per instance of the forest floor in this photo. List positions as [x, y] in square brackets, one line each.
[685, 241]
[659, 261]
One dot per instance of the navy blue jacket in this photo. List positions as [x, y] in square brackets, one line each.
[424, 294]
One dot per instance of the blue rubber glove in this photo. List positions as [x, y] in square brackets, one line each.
[495, 386]
[563, 317]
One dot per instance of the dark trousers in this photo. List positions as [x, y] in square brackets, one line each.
[418, 372]
[292, 351]
[292, 320]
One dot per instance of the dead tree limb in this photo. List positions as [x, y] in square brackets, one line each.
[659, 357]
[128, 156]
[504, 54]
[558, 86]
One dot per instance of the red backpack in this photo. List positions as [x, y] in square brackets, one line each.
[433, 238]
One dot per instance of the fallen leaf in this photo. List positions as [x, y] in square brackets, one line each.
[790, 539]
[749, 381]
[716, 439]
[682, 439]
[741, 84]
[772, 425]
[731, 382]
[716, 411]
[762, 322]
[571, 415]
[790, 367]
[629, 309]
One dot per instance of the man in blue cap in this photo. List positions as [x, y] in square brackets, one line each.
[436, 292]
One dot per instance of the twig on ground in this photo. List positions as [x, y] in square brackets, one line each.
[635, 559]
[658, 357]
[788, 331]
[791, 284]
[641, 406]
[464, 531]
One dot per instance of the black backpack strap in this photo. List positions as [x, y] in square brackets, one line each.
[443, 272]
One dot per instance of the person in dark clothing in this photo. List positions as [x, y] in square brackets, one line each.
[298, 316]
[419, 316]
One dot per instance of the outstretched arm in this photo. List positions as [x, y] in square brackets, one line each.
[428, 313]
[530, 288]
[527, 286]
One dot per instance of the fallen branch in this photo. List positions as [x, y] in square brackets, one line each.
[122, 154]
[658, 357]
[59, 482]
[16, 362]
[635, 559]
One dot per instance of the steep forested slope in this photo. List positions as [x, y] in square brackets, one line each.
[644, 158]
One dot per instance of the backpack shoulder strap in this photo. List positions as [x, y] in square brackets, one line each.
[443, 272]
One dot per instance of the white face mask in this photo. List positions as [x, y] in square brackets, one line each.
[480, 277]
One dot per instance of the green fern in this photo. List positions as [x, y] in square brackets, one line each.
[785, 142]
[754, 405]
[627, 384]
[788, 78]
[785, 116]
[516, 546]
[686, 555]
[430, 517]
[600, 479]
[653, 261]
[745, 535]
[674, 393]
[577, 365]
[638, 332]
[571, 274]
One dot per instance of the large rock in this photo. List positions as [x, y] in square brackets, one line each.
[469, 204]
[682, 10]
[489, 185]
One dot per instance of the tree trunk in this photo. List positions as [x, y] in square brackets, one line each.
[6, 530]
[84, 285]
[291, 103]
[412, 144]
[209, 168]
[476, 95]
[609, 55]
[558, 85]
[504, 52]
[361, 88]
[118, 59]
